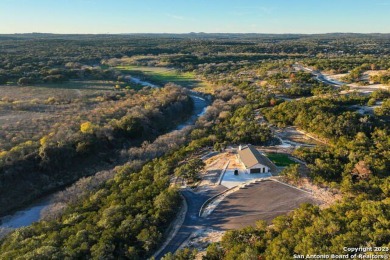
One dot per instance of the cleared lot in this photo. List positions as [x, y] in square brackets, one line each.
[263, 200]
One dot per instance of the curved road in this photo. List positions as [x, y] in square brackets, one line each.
[320, 77]
[264, 200]
[192, 221]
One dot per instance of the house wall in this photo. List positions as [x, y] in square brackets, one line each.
[259, 166]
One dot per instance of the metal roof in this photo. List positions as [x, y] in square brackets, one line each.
[250, 156]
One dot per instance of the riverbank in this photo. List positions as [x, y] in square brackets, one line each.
[28, 215]
[31, 212]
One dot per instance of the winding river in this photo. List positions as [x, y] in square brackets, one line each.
[32, 212]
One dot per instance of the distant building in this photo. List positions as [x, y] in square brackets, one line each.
[254, 161]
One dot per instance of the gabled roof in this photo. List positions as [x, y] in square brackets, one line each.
[250, 156]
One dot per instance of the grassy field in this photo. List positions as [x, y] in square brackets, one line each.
[163, 75]
[280, 159]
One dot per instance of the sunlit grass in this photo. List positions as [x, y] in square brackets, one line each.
[163, 75]
[280, 159]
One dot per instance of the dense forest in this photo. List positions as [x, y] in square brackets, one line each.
[254, 85]
[29, 59]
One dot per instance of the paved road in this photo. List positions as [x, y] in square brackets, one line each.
[192, 221]
[264, 200]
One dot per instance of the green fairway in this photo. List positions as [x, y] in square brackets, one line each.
[280, 159]
[163, 75]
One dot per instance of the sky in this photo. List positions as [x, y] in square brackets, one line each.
[183, 16]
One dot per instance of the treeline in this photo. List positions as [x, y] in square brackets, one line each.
[240, 127]
[278, 77]
[46, 58]
[382, 78]
[348, 164]
[297, 84]
[73, 149]
[328, 118]
[384, 109]
[357, 143]
[30, 59]
[355, 63]
[234, 119]
[69, 71]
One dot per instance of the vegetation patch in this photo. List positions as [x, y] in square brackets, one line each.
[280, 159]
[161, 75]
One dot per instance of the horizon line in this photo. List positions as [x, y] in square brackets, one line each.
[186, 33]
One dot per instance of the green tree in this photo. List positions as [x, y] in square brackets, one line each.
[190, 170]
[291, 173]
